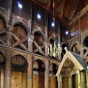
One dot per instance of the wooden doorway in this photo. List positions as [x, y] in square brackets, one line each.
[74, 81]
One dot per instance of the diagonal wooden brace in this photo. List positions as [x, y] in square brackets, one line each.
[39, 48]
[17, 39]
[19, 42]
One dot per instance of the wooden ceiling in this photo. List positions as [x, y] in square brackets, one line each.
[65, 10]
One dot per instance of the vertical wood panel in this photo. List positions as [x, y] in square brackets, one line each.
[18, 80]
[52, 82]
[70, 82]
[38, 81]
[64, 82]
[83, 85]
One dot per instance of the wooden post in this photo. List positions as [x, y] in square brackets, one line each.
[30, 63]
[46, 82]
[7, 83]
[86, 79]
[29, 73]
[70, 82]
[59, 81]
[83, 84]
[46, 34]
[10, 11]
[79, 84]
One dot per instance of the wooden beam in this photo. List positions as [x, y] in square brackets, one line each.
[19, 42]
[39, 48]
[17, 39]
[57, 3]
[80, 14]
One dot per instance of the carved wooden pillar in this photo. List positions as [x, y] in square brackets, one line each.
[8, 63]
[86, 79]
[83, 81]
[29, 73]
[30, 62]
[70, 82]
[30, 20]
[46, 83]
[10, 11]
[46, 35]
[59, 79]
[78, 79]
[30, 48]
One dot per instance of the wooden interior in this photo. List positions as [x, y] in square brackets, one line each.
[34, 53]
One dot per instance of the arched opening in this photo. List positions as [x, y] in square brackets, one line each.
[85, 49]
[52, 77]
[38, 74]
[19, 38]
[38, 45]
[19, 72]
[75, 48]
[2, 31]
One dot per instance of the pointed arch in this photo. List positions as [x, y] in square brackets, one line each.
[74, 58]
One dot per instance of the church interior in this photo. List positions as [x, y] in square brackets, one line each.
[44, 44]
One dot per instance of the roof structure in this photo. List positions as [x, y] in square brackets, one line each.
[77, 60]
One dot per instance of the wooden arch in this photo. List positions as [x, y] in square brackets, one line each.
[39, 65]
[68, 55]
[40, 32]
[19, 61]
[21, 23]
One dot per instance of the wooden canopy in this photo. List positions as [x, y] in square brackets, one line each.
[79, 63]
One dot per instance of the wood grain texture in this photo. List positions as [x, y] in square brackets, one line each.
[18, 80]
[52, 82]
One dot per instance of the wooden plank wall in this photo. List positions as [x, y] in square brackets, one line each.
[38, 81]
[18, 80]
[53, 82]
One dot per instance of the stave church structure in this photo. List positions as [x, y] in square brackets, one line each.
[43, 43]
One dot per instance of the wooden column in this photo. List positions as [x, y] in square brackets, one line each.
[46, 35]
[82, 79]
[10, 11]
[69, 82]
[29, 73]
[59, 79]
[78, 79]
[46, 82]
[7, 83]
[30, 62]
[86, 79]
